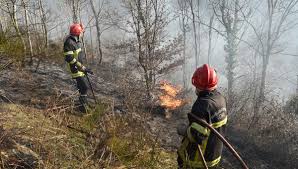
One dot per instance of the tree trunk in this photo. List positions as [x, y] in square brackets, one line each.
[85, 50]
[148, 83]
[16, 26]
[1, 25]
[98, 33]
[255, 89]
[231, 28]
[210, 38]
[141, 53]
[45, 33]
[75, 17]
[44, 23]
[263, 81]
[184, 56]
[199, 33]
[91, 44]
[265, 58]
[231, 61]
[183, 8]
[194, 32]
[28, 32]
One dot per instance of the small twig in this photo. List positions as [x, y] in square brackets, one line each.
[110, 158]
[5, 99]
[6, 65]
[2, 161]
[102, 154]
[80, 130]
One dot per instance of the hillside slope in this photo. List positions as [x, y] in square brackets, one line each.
[40, 128]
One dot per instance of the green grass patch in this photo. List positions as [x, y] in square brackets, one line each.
[135, 148]
[123, 149]
[90, 121]
[131, 155]
[12, 47]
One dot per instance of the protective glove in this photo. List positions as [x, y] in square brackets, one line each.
[86, 70]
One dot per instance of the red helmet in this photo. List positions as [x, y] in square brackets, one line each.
[205, 78]
[76, 29]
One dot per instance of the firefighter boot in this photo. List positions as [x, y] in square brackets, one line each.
[83, 104]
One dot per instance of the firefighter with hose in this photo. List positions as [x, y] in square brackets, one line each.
[74, 55]
[200, 147]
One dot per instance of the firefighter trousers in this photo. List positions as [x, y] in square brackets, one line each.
[82, 85]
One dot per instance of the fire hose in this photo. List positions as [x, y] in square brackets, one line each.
[91, 88]
[226, 143]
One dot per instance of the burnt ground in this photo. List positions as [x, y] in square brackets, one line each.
[36, 88]
[51, 81]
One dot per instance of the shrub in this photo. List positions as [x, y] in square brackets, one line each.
[11, 47]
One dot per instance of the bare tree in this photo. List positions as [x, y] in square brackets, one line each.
[76, 7]
[199, 29]
[91, 42]
[103, 21]
[154, 55]
[1, 25]
[97, 25]
[210, 37]
[228, 13]
[183, 21]
[35, 20]
[193, 16]
[74, 4]
[274, 33]
[28, 33]
[44, 19]
[268, 34]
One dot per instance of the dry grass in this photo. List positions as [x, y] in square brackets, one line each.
[100, 139]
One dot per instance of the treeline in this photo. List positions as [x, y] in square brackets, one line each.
[252, 33]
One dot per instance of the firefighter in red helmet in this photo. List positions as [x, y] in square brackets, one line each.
[211, 107]
[73, 55]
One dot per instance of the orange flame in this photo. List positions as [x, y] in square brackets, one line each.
[168, 98]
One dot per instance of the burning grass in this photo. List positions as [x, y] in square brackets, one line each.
[168, 98]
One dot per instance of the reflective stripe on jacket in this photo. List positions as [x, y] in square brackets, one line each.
[211, 107]
[72, 51]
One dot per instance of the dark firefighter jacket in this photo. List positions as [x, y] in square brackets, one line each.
[211, 107]
[73, 56]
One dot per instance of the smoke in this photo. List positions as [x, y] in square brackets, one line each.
[282, 70]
